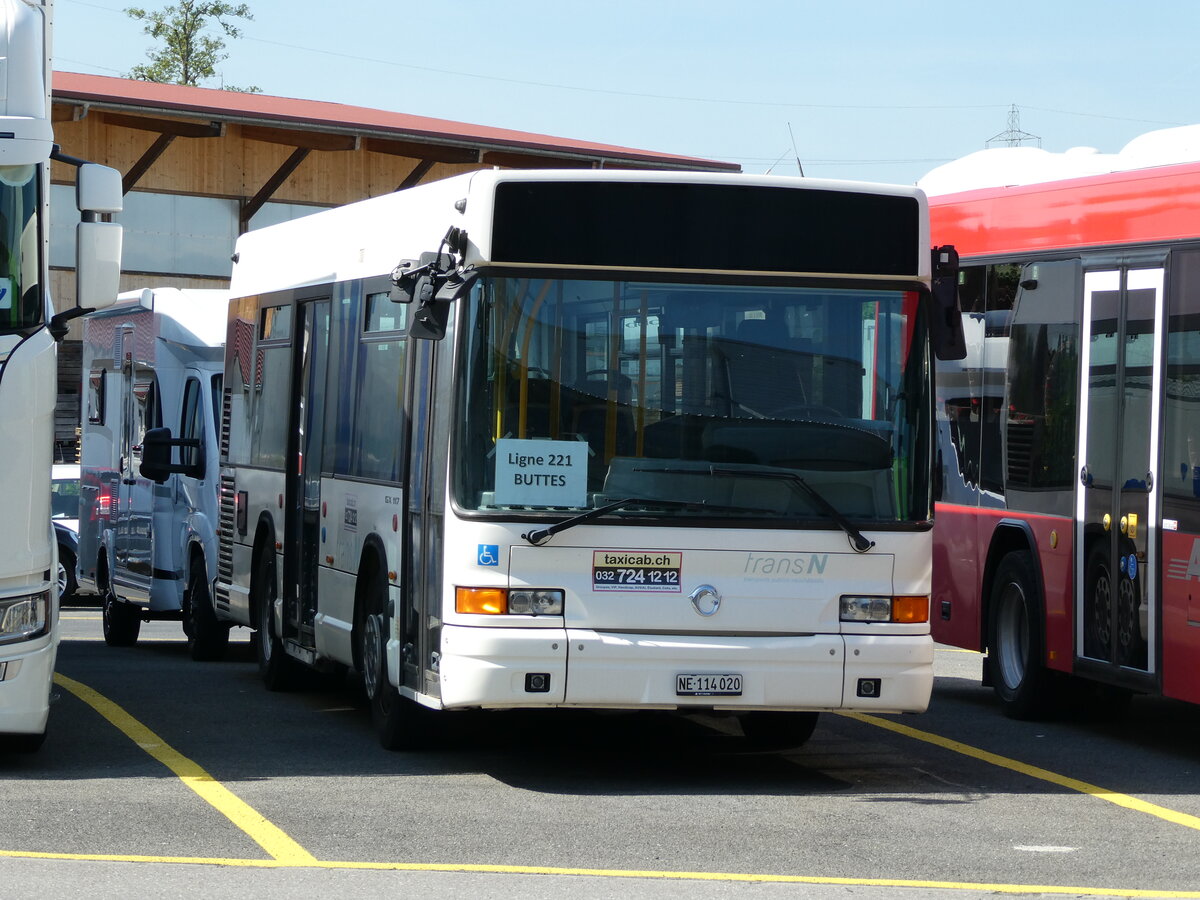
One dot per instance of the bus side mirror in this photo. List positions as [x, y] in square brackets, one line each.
[945, 319]
[428, 322]
[156, 456]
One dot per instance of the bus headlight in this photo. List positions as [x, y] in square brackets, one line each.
[498, 601]
[24, 618]
[908, 610]
[535, 602]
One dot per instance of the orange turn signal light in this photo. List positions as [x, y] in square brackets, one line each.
[481, 601]
[910, 610]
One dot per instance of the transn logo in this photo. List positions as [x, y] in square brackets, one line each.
[1186, 569]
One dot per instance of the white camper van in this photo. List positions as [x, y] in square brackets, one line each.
[152, 360]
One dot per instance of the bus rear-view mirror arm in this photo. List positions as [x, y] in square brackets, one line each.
[945, 320]
[433, 284]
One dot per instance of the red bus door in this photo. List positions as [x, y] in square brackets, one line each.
[1117, 510]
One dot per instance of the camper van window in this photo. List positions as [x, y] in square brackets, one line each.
[95, 400]
[218, 382]
[192, 424]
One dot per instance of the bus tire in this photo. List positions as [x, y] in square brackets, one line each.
[275, 667]
[395, 717]
[121, 621]
[1017, 641]
[777, 730]
[208, 636]
[1098, 592]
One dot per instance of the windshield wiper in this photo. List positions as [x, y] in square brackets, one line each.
[860, 542]
[542, 534]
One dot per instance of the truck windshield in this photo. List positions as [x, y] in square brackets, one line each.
[575, 394]
[21, 305]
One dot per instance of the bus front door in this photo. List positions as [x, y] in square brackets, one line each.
[1117, 510]
[304, 522]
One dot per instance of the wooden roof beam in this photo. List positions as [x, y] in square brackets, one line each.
[149, 158]
[255, 203]
[173, 127]
[434, 153]
[419, 171]
[510, 160]
[308, 140]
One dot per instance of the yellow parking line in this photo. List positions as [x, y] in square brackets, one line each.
[661, 875]
[1074, 784]
[272, 839]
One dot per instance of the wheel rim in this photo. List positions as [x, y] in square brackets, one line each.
[1126, 612]
[62, 580]
[1012, 635]
[1102, 609]
[372, 654]
[266, 615]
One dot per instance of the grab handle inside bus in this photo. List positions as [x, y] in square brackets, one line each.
[945, 320]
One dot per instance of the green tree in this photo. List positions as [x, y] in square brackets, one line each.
[188, 52]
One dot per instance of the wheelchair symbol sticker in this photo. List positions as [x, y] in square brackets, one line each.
[488, 555]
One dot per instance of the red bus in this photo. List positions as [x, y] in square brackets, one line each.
[1067, 536]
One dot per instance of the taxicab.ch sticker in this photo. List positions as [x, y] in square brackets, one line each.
[646, 571]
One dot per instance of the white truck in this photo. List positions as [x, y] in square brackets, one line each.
[29, 331]
[149, 550]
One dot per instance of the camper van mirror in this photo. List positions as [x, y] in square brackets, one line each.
[156, 456]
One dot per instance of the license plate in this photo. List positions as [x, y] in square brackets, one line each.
[708, 685]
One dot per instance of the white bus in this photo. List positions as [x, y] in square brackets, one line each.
[150, 551]
[28, 371]
[639, 441]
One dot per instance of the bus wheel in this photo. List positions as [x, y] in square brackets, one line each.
[1016, 642]
[777, 730]
[1098, 605]
[121, 621]
[208, 636]
[277, 669]
[396, 718]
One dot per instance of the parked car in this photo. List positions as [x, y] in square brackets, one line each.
[64, 514]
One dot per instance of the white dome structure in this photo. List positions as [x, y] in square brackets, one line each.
[1008, 166]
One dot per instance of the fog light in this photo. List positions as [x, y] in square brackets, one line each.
[535, 602]
[537, 682]
[866, 609]
[869, 687]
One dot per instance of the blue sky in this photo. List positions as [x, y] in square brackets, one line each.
[871, 90]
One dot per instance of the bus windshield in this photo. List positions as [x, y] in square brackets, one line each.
[788, 405]
[20, 293]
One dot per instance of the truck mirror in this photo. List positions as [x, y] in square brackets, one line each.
[97, 264]
[98, 189]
